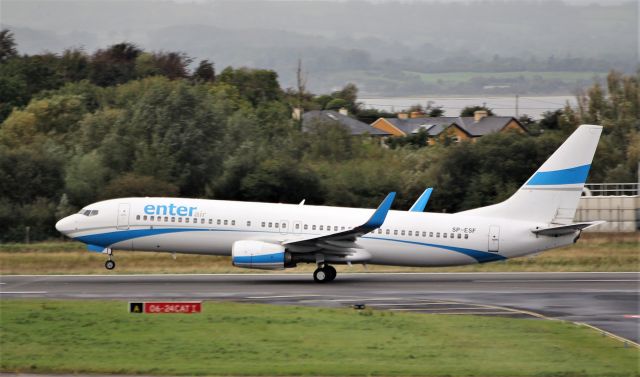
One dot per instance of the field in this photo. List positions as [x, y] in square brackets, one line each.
[594, 252]
[254, 339]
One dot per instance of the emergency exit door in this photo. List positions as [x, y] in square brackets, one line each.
[123, 216]
[494, 238]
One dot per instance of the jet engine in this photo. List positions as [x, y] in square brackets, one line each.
[260, 255]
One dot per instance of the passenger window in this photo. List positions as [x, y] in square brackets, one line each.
[137, 217]
[145, 217]
[306, 226]
[444, 235]
[284, 225]
[452, 235]
[186, 220]
[226, 222]
[379, 231]
[395, 232]
[159, 218]
[218, 222]
[466, 236]
[248, 223]
[179, 219]
[166, 219]
[313, 227]
[409, 234]
[438, 235]
[424, 234]
[402, 233]
[430, 234]
[320, 227]
[459, 235]
[342, 228]
[201, 221]
[233, 222]
[210, 221]
[270, 225]
[173, 219]
[262, 224]
[151, 218]
[387, 231]
[297, 226]
[277, 225]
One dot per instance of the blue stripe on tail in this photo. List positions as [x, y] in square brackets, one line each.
[561, 177]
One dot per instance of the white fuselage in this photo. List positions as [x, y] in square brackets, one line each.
[198, 226]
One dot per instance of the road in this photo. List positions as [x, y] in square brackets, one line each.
[608, 301]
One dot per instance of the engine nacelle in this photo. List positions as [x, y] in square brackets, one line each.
[260, 255]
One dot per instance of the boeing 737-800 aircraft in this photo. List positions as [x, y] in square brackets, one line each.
[539, 216]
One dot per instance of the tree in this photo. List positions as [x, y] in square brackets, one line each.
[135, 185]
[7, 45]
[469, 111]
[205, 72]
[114, 65]
[435, 111]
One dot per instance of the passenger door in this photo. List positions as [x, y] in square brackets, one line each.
[123, 216]
[494, 238]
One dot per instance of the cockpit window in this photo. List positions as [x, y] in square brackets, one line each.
[88, 212]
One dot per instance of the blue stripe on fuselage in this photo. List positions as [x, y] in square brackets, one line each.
[560, 177]
[110, 238]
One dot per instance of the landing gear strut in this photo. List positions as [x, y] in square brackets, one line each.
[110, 264]
[324, 274]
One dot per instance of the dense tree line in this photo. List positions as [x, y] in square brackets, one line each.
[78, 128]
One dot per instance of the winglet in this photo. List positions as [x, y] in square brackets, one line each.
[419, 205]
[377, 219]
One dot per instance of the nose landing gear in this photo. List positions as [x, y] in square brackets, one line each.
[324, 274]
[110, 264]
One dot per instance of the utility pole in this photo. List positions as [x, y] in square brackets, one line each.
[517, 99]
[301, 82]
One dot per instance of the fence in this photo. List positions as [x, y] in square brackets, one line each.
[616, 203]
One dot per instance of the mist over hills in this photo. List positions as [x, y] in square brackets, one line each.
[384, 47]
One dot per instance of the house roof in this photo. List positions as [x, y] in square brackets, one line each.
[484, 126]
[435, 125]
[354, 126]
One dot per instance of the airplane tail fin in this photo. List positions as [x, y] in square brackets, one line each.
[552, 193]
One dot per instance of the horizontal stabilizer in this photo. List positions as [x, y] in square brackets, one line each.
[565, 229]
[422, 201]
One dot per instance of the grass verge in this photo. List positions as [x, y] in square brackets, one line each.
[253, 339]
[594, 252]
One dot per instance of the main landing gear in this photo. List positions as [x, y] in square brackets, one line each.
[324, 274]
[110, 264]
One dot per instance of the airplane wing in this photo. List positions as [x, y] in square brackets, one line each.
[344, 241]
[565, 229]
[419, 205]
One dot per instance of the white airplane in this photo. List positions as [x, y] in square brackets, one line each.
[539, 216]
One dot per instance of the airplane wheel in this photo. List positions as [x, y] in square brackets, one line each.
[331, 272]
[320, 275]
[109, 265]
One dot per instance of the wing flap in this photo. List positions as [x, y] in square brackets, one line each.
[344, 240]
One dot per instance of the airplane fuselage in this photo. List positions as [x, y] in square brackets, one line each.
[198, 226]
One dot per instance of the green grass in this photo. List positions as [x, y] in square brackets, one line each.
[252, 339]
[594, 252]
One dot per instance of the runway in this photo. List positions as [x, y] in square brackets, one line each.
[608, 301]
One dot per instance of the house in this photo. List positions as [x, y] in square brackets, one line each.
[458, 128]
[354, 126]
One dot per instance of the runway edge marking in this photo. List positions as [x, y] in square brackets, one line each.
[542, 316]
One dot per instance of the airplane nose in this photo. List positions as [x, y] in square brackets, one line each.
[65, 225]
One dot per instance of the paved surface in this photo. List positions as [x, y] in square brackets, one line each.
[608, 301]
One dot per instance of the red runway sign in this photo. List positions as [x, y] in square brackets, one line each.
[174, 307]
